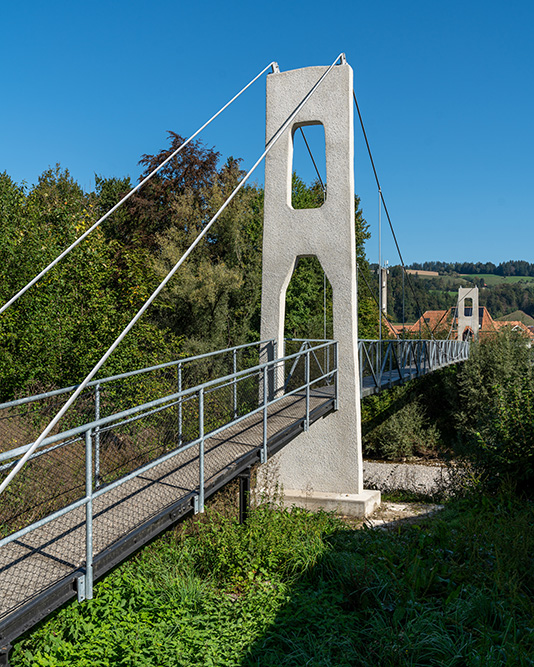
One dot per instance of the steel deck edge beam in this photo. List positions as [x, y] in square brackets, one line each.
[388, 383]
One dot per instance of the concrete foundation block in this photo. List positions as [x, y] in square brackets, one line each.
[349, 504]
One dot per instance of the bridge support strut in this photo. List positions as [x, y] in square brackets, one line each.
[244, 495]
[4, 655]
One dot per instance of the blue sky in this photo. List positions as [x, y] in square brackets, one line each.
[445, 89]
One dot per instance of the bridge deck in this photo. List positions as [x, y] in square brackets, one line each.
[370, 386]
[39, 571]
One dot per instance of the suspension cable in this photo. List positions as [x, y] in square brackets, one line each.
[452, 319]
[314, 164]
[271, 65]
[357, 265]
[160, 287]
[387, 212]
[375, 300]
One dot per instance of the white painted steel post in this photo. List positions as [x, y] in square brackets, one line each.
[88, 516]
[97, 436]
[263, 454]
[201, 449]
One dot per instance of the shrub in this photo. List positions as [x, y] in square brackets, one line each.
[497, 417]
[403, 434]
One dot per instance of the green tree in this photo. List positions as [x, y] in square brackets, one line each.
[496, 410]
[60, 327]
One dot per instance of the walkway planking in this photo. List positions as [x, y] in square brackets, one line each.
[39, 571]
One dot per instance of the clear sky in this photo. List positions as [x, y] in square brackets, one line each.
[445, 88]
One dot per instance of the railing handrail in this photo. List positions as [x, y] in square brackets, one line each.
[121, 376]
[79, 430]
[416, 356]
[152, 464]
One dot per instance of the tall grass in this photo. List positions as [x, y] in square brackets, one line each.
[294, 588]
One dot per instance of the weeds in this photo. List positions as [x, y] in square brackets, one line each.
[292, 588]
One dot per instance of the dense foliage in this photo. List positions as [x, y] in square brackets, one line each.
[509, 268]
[292, 588]
[496, 412]
[58, 330]
[481, 412]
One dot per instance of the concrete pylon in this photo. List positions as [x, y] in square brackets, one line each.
[323, 466]
[468, 320]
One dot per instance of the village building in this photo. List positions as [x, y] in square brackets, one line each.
[460, 321]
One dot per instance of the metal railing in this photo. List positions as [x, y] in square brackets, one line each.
[389, 362]
[104, 444]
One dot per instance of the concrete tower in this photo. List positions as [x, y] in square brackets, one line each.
[468, 320]
[323, 466]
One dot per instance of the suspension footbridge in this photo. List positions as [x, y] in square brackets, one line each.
[92, 472]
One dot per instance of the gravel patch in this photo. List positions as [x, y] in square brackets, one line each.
[430, 480]
[392, 515]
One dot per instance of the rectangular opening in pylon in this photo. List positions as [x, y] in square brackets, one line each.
[308, 186]
[468, 307]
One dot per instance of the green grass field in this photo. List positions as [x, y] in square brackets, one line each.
[491, 279]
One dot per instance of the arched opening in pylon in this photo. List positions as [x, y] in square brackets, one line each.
[308, 311]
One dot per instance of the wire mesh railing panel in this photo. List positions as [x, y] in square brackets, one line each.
[22, 423]
[123, 447]
[52, 479]
[137, 444]
[387, 362]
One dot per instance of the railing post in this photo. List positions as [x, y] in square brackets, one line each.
[201, 449]
[180, 433]
[272, 347]
[244, 495]
[4, 654]
[360, 354]
[88, 516]
[235, 382]
[97, 436]
[263, 453]
[336, 377]
[307, 380]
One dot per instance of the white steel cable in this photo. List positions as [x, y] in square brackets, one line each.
[271, 65]
[154, 294]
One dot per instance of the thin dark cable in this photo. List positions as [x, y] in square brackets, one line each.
[386, 210]
[375, 299]
[314, 164]
[403, 312]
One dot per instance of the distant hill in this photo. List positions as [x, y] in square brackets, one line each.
[517, 267]
[510, 297]
[518, 316]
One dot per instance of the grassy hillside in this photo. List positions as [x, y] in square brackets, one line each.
[518, 316]
[491, 279]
